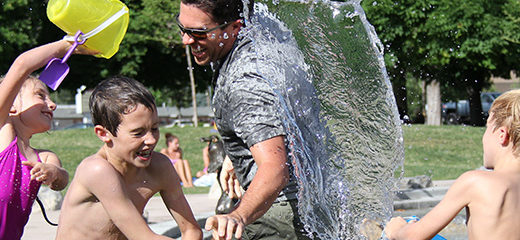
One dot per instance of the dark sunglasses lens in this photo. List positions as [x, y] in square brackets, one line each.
[199, 35]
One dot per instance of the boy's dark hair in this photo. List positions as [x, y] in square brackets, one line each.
[116, 96]
[223, 11]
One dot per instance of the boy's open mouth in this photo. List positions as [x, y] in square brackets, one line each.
[145, 155]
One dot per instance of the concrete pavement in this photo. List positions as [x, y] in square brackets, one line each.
[409, 202]
[160, 221]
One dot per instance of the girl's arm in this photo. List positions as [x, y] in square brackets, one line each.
[22, 67]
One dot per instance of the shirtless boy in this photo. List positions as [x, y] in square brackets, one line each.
[491, 198]
[111, 188]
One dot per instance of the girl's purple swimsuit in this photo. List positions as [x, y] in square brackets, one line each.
[17, 192]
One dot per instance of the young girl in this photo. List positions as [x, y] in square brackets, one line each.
[26, 109]
[174, 153]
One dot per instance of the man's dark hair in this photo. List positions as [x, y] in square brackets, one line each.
[223, 11]
[116, 96]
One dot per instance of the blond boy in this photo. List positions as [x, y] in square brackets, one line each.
[491, 198]
[111, 188]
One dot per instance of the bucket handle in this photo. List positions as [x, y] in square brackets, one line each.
[99, 28]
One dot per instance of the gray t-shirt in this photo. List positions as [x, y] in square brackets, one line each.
[247, 111]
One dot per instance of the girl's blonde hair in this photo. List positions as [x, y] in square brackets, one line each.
[506, 113]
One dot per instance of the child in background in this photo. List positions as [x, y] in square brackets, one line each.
[26, 109]
[491, 198]
[174, 152]
[110, 189]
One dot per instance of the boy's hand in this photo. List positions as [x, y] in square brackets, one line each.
[45, 173]
[392, 228]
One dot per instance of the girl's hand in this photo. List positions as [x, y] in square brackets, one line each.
[41, 172]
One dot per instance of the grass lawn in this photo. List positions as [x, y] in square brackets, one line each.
[74, 145]
[440, 152]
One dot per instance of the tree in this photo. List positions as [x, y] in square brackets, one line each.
[150, 52]
[459, 43]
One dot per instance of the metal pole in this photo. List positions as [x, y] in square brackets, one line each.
[193, 93]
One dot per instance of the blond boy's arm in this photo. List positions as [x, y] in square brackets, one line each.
[458, 196]
[174, 199]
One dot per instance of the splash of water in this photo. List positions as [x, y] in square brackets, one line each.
[338, 108]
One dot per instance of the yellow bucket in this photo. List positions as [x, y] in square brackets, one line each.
[104, 22]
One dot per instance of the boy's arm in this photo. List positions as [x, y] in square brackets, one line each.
[107, 185]
[23, 65]
[174, 199]
[458, 196]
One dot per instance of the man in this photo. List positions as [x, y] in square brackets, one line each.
[247, 114]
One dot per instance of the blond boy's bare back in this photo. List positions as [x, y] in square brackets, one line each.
[494, 208]
[491, 200]
[95, 176]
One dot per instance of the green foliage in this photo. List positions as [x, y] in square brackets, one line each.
[151, 51]
[457, 42]
[511, 27]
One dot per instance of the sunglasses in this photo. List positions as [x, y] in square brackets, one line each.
[197, 34]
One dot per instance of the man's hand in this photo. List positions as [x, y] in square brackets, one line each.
[224, 226]
[228, 180]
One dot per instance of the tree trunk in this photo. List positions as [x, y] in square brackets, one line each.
[475, 105]
[399, 88]
[433, 103]
[193, 92]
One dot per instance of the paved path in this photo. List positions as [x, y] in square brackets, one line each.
[203, 206]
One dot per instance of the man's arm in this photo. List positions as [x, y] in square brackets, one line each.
[271, 177]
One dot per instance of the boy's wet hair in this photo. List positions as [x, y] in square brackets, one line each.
[117, 96]
[169, 137]
[506, 113]
[223, 11]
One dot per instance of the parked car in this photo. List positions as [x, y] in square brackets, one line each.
[459, 112]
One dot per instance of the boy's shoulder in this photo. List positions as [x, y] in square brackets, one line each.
[486, 182]
[160, 162]
[94, 166]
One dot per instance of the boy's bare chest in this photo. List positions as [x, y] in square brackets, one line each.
[141, 191]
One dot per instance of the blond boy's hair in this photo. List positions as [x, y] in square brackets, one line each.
[506, 113]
